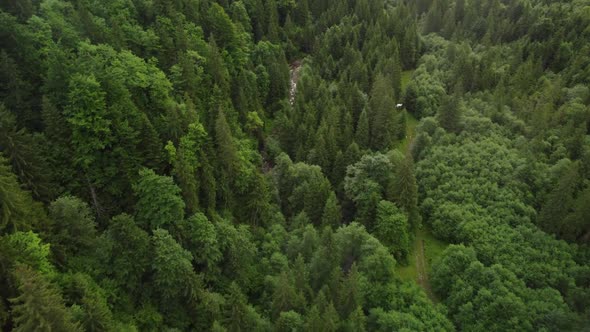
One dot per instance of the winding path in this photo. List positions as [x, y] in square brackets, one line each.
[421, 268]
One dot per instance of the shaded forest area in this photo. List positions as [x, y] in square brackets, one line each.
[156, 176]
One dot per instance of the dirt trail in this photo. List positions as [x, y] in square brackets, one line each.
[295, 69]
[421, 268]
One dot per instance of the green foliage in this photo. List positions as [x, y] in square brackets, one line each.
[302, 188]
[39, 305]
[382, 115]
[405, 190]
[289, 321]
[127, 255]
[332, 215]
[91, 308]
[449, 114]
[25, 155]
[189, 161]
[228, 154]
[270, 126]
[158, 200]
[391, 228]
[366, 183]
[73, 229]
[492, 289]
[198, 234]
[238, 314]
[171, 264]
[87, 115]
[362, 130]
[18, 211]
[26, 248]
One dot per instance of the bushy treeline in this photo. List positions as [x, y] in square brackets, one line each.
[503, 152]
[155, 176]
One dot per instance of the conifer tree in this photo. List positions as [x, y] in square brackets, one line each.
[216, 68]
[228, 155]
[449, 114]
[74, 228]
[222, 27]
[39, 306]
[289, 321]
[314, 323]
[150, 145]
[172, 266]
[18, 212]
[559, 201]
[405, 190]
[236, 310]
[26, 159]
[362, 130]
[382, 113]
[331, 320]
[576, 226]
[352, 293]
[187, 160]
[272, 28]
[128, 259]
[332, 215]
[284, 297]
[357, 321]
[396, 71]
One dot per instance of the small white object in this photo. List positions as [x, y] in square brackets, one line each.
[399, 105]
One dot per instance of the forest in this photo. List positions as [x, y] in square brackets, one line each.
[294, 165]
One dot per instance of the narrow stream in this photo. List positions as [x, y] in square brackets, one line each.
[295, 68]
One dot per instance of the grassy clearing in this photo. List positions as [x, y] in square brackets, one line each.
[411, 123]
[418, 271]
[426, 249]
[433, 249]
[406, 75]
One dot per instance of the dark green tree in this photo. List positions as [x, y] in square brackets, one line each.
[382, 113]
[18, 212]
[449, 114]
[362, 130]
[128, 256]
[228, 155]
[73, 230]
[405, 190]
[559, 201]
[187, 159]
[39, 306]
[25, 155]
[332, 213]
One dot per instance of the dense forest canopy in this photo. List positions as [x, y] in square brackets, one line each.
[280, 165]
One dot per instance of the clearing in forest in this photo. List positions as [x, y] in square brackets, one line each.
[425, 248]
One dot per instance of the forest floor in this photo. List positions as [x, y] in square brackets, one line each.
[425, 247]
